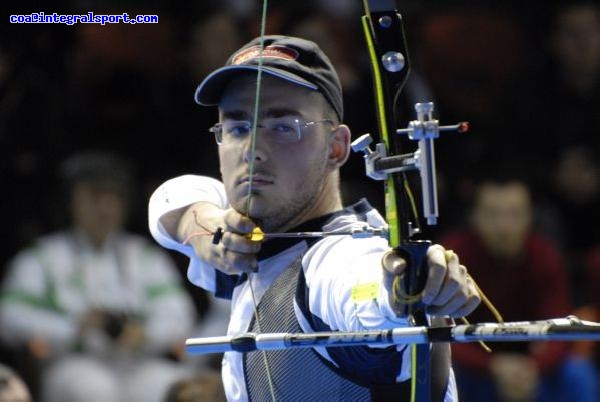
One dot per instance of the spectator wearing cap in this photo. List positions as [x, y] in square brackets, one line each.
[101, 308]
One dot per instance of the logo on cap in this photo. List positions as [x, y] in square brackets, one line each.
[274, 52]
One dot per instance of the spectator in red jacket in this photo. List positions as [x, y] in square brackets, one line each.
[524, 275]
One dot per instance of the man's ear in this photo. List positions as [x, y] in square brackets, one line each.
[339, 146]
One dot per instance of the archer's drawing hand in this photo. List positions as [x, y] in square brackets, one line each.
[449, 289]
[234, 254]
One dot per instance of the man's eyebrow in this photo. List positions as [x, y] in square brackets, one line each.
[271, 112]
[236, 115]
[280, 112]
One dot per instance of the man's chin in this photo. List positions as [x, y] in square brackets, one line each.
[258, 209]
[254, 206]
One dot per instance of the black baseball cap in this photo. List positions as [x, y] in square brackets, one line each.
[296, 60]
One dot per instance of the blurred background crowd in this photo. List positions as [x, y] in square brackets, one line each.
[93, 117]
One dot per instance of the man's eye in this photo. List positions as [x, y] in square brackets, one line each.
[283, 128]
[238, 130]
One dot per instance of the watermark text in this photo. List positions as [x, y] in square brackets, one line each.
[89, 18]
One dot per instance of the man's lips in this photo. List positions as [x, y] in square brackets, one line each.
[256, 179]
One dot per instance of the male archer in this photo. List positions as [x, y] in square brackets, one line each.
[287, 180]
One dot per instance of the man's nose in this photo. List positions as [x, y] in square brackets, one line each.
[257, 152]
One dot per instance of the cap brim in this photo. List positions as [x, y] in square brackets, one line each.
[211, 88]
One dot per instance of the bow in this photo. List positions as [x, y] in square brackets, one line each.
[390, 65]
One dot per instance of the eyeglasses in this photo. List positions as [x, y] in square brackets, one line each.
[281, 130]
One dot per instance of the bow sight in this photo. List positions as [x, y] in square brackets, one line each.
[424, 130]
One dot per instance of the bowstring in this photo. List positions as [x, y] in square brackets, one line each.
[250, 180]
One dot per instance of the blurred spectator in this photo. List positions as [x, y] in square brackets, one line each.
[471, 56]
[572, 92]
[576, 42]
[524, 276]
[211, 40]
[336, 40]
[122, 89]
[31, 120]
[576, 194]
[142, 47]
[101, 308]
[573, 201]
[205, 387]
[12, 387]
[213, 322]
[568, 123]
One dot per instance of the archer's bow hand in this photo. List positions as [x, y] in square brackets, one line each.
[232, 252]
[449, 290]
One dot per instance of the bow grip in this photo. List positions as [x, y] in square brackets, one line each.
[414, 252]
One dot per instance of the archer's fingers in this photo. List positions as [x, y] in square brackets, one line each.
[234, 263]
[436, 263]
[454, 282]
[456, 310]
[239, 243]
[238, 223]
[460, 304]
[467, 308]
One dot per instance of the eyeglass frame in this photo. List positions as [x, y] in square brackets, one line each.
[217, 130]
